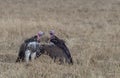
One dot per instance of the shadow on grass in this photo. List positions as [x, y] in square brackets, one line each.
[7, 58]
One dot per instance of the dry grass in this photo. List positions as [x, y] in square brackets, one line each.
[91, 29]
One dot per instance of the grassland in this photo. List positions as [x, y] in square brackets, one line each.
[91, 29]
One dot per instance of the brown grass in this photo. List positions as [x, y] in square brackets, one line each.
[91, 29]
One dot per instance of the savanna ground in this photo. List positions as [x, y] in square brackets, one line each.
[91, 29]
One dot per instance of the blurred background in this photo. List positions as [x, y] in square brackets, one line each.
[91, 29]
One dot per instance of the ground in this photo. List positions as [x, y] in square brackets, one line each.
[90, 28]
